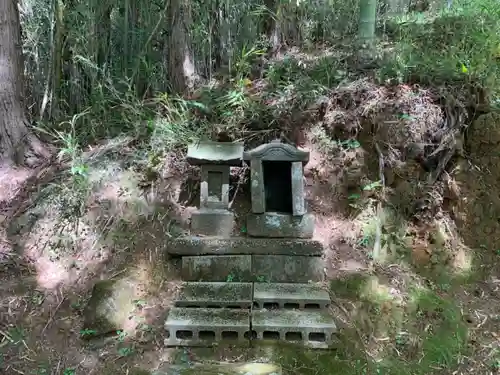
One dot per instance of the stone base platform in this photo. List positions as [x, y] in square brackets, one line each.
[212, 222]
[192, 246]
[277, 225]
[250, 268]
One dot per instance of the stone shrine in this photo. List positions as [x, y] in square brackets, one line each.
[215, 159]
[277, 185]
[243, 289]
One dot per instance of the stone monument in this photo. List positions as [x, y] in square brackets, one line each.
[277, 188]
[213, 217]
[242, 289]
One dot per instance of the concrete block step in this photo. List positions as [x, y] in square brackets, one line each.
[289, 296]
[215, 295]
[195, 245]
[206, 327]
[313, 329]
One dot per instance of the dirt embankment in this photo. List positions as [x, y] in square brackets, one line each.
[476, 210]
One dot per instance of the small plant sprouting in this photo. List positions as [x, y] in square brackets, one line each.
[261, 279]
[87, 332]
[350, 144]
[230, 278]
[125, 351]
[372, 186]
[121, 335]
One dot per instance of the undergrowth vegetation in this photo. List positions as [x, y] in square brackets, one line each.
[442, 47]
[382, 129]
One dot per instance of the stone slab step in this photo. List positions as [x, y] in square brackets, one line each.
[215, 295]
[206, 327]
[314, 329]
[290, 296]
[223, 368]
[222, 268]
[287, 269]
[195, 245]
[249, 268]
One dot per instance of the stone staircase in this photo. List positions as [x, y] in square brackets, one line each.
[240, 296]
[244, 290]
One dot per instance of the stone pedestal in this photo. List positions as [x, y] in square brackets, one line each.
[273, 224]
[212, 222]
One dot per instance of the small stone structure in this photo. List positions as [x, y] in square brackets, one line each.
[239, 289]
[277, 185]
[215, 159]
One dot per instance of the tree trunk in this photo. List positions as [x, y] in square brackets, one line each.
[17, 144]
[217, 59]
[179, 59]
[367, 20]
[271, 25]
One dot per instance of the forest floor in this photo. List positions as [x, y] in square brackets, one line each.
[413, 265]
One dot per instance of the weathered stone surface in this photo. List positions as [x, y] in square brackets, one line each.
[243, 246]
[214, 186]
[206, 327]
[277, 151]
[110, 307]
[228, 368]
[258, 361]
[272, 224]
[257, 187]
[313, 329]
[215, 295]
[287, 269]
[212, 222]
[298, 194]
[289, 296]
[222, 153]
[231, 268]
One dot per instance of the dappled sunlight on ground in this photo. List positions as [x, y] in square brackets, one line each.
[12, 179]
[398, 305]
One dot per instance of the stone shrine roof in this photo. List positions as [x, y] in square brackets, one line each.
[277, 151]
[218, 153]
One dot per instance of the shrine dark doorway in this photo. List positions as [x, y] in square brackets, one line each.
[278, 186]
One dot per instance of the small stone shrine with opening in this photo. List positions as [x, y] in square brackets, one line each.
[260, 285]
[277, 186]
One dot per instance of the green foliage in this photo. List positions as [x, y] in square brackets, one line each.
[427, 331]
[460, 45]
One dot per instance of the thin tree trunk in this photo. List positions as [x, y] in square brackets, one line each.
[216, 58]
[367, 19]
[179, 57]
[102, 31]
[271, 26]
[17, 144]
